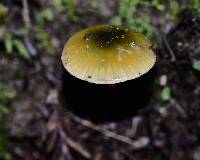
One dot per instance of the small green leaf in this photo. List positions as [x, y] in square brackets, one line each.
[2, 31]
[116, 20]
[4, 110]
[195, 4]
[196, 65]
[21, 49]
[48, 15]
[166, 94]
[71, 8]
[6, 94]
[94, 3]
[8, 43]
[3, 10]
[58, 4]
[158, 4]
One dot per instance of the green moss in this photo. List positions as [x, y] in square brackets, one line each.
[4, 16]
[42, 36]
[69, 7]
[3, 11]
[6, 95]
[94, 4]
[195, 5]
[4, 154]
[127, 14]
[174, 9]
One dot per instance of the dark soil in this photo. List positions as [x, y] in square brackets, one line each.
[44, 127]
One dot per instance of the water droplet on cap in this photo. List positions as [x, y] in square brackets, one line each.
[133, 44]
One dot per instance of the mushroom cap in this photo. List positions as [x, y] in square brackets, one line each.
[107, 54]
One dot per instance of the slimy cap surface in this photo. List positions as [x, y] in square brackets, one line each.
[107, 54]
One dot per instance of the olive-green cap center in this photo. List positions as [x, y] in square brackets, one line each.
[107, 37]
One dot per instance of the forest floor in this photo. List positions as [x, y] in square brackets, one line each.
[39, 127]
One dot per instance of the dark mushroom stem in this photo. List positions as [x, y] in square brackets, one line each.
[101, 103]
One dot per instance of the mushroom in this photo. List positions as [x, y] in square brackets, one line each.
[107, 54]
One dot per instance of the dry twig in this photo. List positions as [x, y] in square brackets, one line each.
[137, 144]
[26, 14]
[55, 125]
[178, 108]
[169, 49]
[77, 147]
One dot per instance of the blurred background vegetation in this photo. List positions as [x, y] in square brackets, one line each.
[23, 38]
